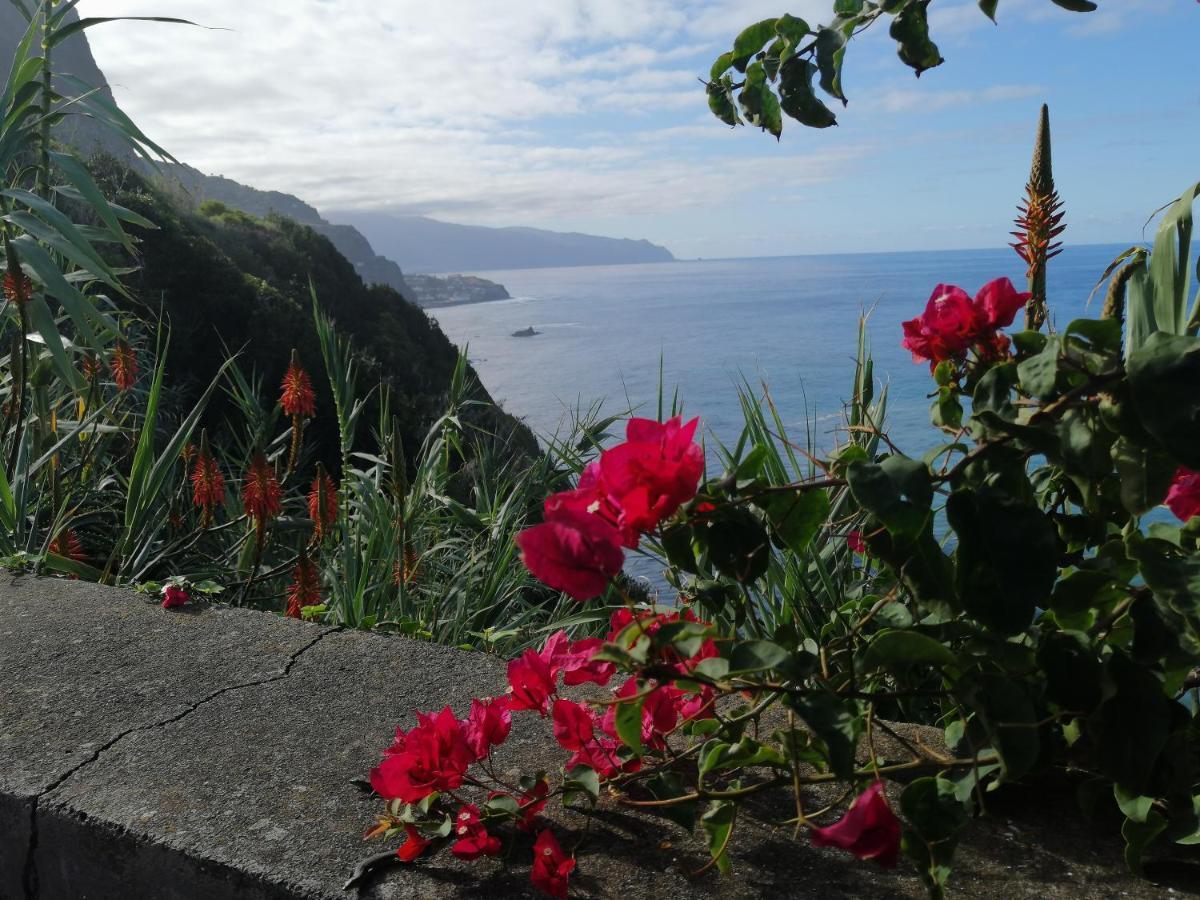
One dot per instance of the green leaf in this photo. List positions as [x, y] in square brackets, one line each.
[897, 491]
[1134, 806]
[42, 321]
[720, 66]
[721, 105]
[759, 103]
[581, 781]
[989, 8]
[1008, 715]
[629, 722]
[78, 25]
[797, 98]
[1145, 475]
[897, 649]
[750, 41]
[1076, 5]
[1164, 378]
[84, 315]
[831, 50]
[1131, 728]
[756, 656]
[718, 822]
[1007, 557]
[738, 545]
[836, 722]
[669, 786]
[935, 817]
[910, 29]
[792, 30]
[1139, 835]
[796, 517]
[1039, 374]
[67, 566]
[1072, 672]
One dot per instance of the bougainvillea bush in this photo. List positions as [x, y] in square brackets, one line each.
[1051, 627]
[1031, 586]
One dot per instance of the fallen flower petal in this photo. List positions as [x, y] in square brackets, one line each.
[869, 829]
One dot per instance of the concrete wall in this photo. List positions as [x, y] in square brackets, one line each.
[208, 752]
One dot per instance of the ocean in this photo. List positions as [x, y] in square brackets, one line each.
[788, 321]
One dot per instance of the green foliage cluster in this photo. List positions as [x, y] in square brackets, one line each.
[775, 65]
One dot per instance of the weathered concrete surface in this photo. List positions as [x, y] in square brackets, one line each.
[208, 754]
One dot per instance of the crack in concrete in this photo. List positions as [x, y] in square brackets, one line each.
[30, 874]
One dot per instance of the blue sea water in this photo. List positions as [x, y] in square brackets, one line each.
[789, 321]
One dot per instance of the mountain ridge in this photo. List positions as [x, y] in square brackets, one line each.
[425, 245]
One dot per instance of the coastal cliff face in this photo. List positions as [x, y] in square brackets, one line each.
[427, 290]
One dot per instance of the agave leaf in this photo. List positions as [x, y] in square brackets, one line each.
[55, 223]
[86, 318]
[42, 321]
[22, 9]
[125, 215]
[79, 176]
[61, 34]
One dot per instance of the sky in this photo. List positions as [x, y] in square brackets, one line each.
[588, 115]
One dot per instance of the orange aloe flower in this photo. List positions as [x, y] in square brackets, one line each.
[91, 367]
[260, 492]
[305, 589]
[67, 544]
[208, 484]
[17, 286]
[322, 503]
[124, 366]
[297, 398]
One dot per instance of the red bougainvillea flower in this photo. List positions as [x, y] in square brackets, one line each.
[531, 682]
[488, 724]
[431, 757]
[660, 712]
[208, 484]
[124, 366]
[297, 397]
[854, 540]
[322, 503]
[591, 497]
[946, 329]
[414, 845]
[260, 491]
[17, 286]
[574, 726]
[473, 838]
[576, 553]
[551, 866]
[305, 589]
[602, 753]
[578, 667]
[869, 829]
[654, 472]
[174, 596]
[1183, 498]
[997, 304]
[953, 323]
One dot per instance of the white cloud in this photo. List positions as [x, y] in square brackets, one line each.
[903, 100]
[399, 103]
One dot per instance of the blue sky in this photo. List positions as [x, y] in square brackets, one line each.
[586, 115]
